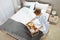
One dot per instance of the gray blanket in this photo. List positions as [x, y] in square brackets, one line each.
[18, 29]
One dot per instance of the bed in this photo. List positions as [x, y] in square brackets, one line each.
[45, 8]
[16, 26]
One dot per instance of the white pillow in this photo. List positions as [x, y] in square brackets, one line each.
[43, 11]
[29, 5]
[42, 6]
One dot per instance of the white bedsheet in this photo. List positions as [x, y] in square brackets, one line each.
[24, 15]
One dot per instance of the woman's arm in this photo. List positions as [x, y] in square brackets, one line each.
[32, 19]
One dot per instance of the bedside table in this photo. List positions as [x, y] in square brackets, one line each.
[53, 19]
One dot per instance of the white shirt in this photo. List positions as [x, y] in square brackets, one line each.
[44, 23]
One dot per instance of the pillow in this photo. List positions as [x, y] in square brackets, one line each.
[43, 11]
[41, 6]
[27, 6]
[30, 5]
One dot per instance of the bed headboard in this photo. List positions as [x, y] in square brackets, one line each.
[38, 1]
[32, 0]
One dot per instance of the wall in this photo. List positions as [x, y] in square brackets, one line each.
[55, 3]
[7, 9]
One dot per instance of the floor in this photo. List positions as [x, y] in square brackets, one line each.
[54, 33]
[4, 36]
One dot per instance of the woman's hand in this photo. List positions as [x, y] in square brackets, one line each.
[36, 30]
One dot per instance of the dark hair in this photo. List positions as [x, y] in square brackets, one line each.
[37, 11]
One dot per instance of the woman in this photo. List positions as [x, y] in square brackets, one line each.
[42, 19]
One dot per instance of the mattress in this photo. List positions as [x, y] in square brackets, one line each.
[24, 15]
